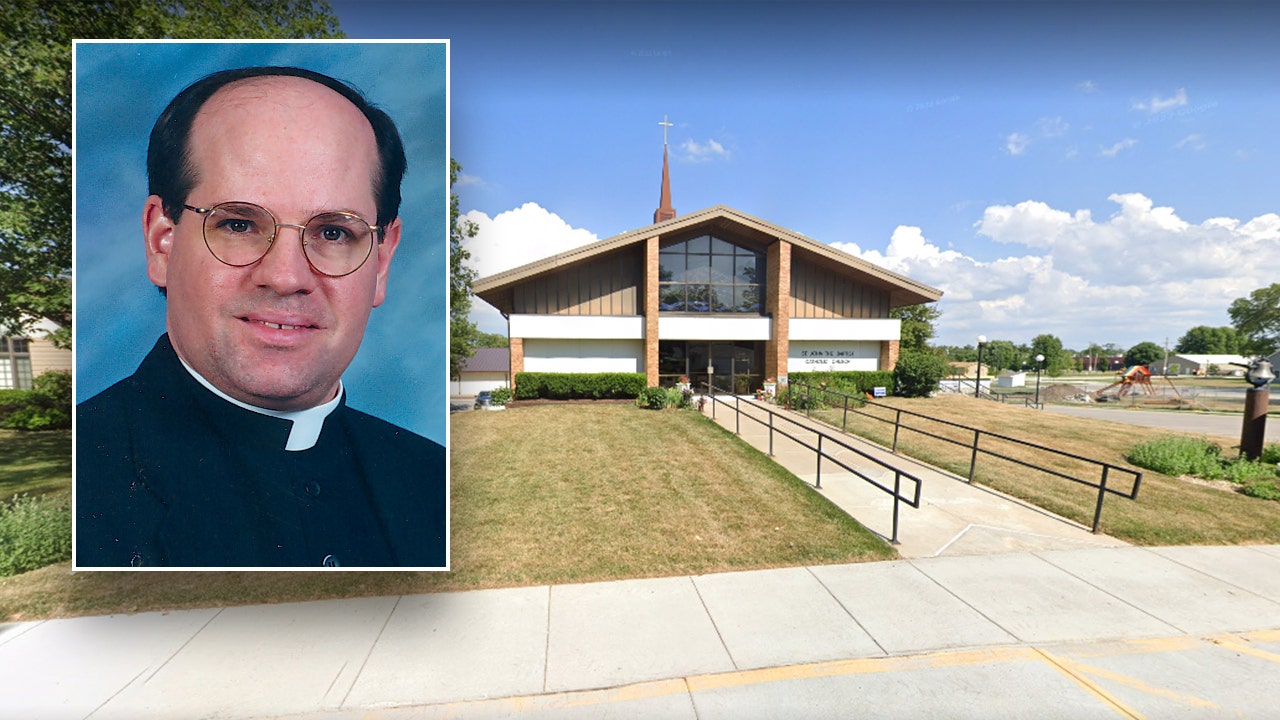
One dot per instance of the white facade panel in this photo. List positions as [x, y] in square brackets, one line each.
[473, 383]
[845, 329]
[583, 355]
[624, 327]
[833, 356]
[714, 328]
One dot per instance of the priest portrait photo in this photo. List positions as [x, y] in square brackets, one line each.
[260, 291]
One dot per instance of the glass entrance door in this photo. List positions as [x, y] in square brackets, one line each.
[736, 365]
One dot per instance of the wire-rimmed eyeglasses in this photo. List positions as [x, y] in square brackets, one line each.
[242, 233]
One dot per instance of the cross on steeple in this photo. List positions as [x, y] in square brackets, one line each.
[664, 211]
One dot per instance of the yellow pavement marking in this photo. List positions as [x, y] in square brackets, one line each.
[1082, 674]
[860, 666]
[1080, 670]
[1238, 644]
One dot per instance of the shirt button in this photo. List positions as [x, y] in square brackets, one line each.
[330, 561]
[312, 488]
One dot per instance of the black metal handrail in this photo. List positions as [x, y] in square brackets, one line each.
[896, 491]
[976, 449]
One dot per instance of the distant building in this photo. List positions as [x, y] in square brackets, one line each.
[1011, 379]
[487, 369]
[1182, 364]
[24, 358]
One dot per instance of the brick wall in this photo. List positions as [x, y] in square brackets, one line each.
[517, 357]
[650, 310]
[778, 300]
[888, 355]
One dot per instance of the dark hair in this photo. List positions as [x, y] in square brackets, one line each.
[171, 175]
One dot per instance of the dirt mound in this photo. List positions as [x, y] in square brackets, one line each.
[1063, 393]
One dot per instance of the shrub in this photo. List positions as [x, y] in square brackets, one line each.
[45, 407]
[568, 386]
[1263, 489]
[1271, 454]
[917, 374]
[34, 532]
[850, 383]
[653, 398]
[678, 398]
[1176, 455]
[801, 399]
[500, 396]
[1242, 471]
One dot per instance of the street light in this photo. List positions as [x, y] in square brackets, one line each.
[977, 386]
[1256, 401]
[1039, 365]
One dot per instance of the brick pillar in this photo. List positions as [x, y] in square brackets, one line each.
[888, 355]
[651, 310]
[517, 358]
[778, 302]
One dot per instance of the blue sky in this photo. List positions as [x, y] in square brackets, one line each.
[400, 372]
[1106, 172]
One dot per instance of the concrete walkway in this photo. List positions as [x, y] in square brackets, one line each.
[954, 517]
[1091, 633]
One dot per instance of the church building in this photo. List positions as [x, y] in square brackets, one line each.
[713, 294]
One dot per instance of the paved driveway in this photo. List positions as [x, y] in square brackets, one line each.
[1221, 424]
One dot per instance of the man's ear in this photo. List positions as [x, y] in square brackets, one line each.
[157, 233]
[384, 250]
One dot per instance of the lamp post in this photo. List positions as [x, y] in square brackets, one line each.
[1256, 401]
[977, 386]
[1039, 367]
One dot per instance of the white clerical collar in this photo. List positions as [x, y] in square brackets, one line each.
[307, 424]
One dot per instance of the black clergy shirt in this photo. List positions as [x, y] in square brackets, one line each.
[170, 474]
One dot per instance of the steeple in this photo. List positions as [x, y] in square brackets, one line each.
[664, 211]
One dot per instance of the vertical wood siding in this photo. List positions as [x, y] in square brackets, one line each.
[819, 292]
[605, 285]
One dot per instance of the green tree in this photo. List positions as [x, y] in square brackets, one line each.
[35, 122]
[1001, 355]
[491, 340]
[1257, 318]
[917, 325]
[1144, 353]
[462, 332]
[1205, 340]
[917, 373]
[1055, 358]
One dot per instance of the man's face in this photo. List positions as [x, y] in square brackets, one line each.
[274, 334]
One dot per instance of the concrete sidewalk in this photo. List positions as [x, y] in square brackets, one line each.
[954, 517]
[1107, 632]
[999, 610]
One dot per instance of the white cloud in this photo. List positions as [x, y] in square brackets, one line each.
[1016, 143]
[1143, 273]
[514, 238]
[465, 180]
[1119, 147]
[1088, 86]
[1045, 128]
[694, 151]
[1195, 141]
[1158, 104]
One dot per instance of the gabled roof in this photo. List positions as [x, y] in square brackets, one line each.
[903, 290]
[489, 360]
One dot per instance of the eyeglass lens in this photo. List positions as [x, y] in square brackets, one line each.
[241, 234]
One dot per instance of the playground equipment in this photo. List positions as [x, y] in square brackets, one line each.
[1136, 379]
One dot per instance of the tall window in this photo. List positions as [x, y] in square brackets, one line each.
[15, 364]
[707, 274]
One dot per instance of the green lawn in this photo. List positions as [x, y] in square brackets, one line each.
[37, 463]
[542, 494]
